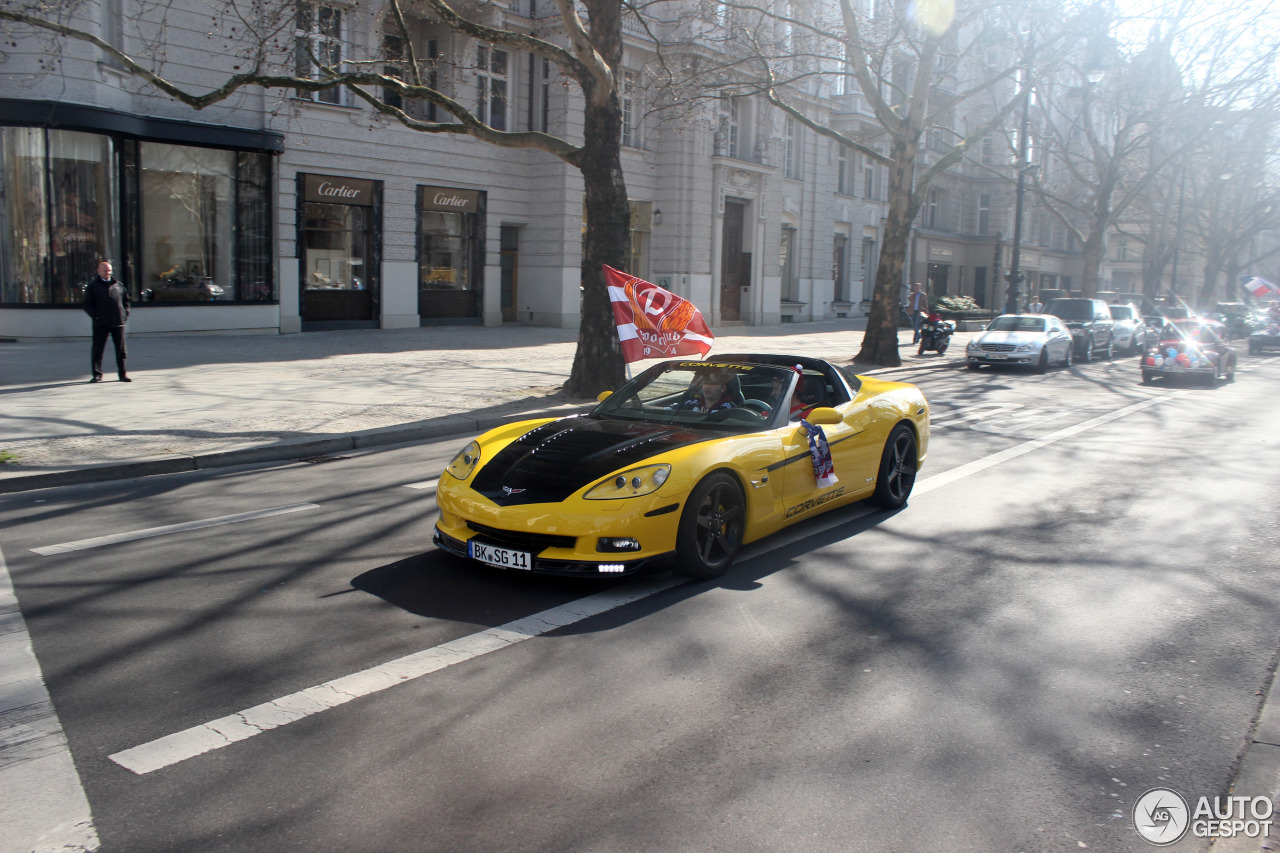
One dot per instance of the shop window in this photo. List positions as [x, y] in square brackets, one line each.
[449, 252]
[58, 213]
[187, 203]
[196, 228]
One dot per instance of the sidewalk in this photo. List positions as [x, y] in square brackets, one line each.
[202, 401]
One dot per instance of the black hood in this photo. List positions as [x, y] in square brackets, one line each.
[553, 461]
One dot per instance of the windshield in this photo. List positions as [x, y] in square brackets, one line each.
[1190, 330]
[1071, 309]
[1010, 323]
[1121, 312]
[735, 397]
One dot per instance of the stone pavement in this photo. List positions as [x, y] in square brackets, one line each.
[200, 401]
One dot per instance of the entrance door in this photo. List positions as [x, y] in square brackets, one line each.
[509, 268]
[938, 279]
[731, 266]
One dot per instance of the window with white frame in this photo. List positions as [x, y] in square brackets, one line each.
[113, 29]
[984, 213]
[988, 151]
[842, 169]
[868, 178]
[539, 112]
[933, 214]
[393, 51]
[729, 125]
[491, 86]
[787, 263]
[1122, 249]
[791, 149]
[318, 45]
[629, 93]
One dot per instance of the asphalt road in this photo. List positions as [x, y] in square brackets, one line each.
[1078, 604]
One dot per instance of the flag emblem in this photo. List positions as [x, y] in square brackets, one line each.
[824, 469]
[653, 322]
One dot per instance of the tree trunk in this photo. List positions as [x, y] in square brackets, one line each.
[598, 364]
[880, 343]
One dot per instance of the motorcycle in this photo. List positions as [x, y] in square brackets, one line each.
[935, 334]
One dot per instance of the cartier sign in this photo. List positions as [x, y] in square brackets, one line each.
[450, 199]
[337, 190]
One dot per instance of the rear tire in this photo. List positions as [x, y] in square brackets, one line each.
[711, 526]
[1069, 357]
[897, 473]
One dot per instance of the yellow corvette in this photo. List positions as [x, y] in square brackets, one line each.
[691, 459]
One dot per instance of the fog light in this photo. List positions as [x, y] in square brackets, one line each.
[611, 545]
[612, 568]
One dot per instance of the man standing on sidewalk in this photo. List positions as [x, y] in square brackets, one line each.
[106, 301]
[917, 304]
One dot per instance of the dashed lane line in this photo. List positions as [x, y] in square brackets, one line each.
[424, 485]
[129, 536]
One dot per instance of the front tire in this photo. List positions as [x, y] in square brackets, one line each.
[1043, 366]
[1087, 356]
[710, 531]
[1110, 352]
[897, 469]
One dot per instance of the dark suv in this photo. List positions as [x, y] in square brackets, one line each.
[1090, 323]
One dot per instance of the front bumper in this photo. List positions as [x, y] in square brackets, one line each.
[600, 567]
[979, 356]
[561, 539]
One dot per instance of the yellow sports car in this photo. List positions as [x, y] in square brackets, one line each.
[691, 459]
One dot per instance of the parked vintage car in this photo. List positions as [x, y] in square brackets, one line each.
[1195, 347]
[664, 467]
[1024, 339]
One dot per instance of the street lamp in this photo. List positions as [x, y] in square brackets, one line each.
[1015, 276]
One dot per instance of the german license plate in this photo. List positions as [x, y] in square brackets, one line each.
[503, 558]
[996, 355]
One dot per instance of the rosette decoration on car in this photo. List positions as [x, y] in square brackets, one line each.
[1174, 356]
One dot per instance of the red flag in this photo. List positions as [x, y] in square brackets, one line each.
[652, 322]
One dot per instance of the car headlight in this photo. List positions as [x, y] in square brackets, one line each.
[465, 462]
[631, 484]
[974, 345]
[1026, 348]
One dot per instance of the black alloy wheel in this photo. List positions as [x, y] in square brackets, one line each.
[710, 531]
[897, 469]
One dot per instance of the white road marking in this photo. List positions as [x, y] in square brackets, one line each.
[425, 484]
[978, 465]
[224, 731]
[227, 730]
[129, 536]
[44, 807]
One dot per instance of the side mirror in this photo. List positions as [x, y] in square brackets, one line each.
[824, 416]
[603, 395]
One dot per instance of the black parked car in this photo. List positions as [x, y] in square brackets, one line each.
[1089, 320]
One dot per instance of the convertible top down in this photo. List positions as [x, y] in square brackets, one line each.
[691, 459]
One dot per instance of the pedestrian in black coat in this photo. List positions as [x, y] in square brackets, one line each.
[106, 301]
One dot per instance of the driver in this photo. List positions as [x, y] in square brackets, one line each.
[711, 394]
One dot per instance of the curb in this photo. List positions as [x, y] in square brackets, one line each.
[302, 448]
[259, 453]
